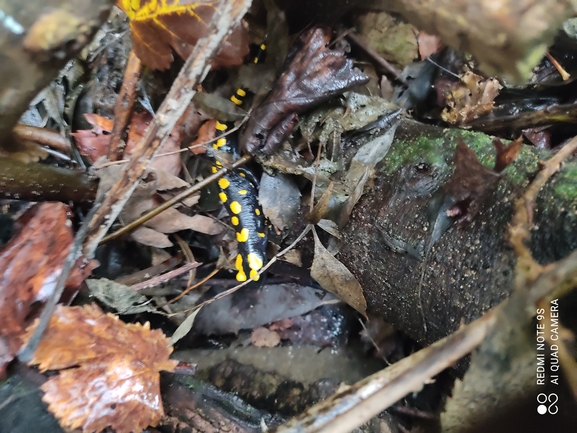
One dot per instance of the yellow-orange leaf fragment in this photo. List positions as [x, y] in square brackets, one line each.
[115, 379]
[160, 26]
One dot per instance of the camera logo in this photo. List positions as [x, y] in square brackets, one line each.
[547, 403]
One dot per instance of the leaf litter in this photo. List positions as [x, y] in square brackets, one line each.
[108, 370]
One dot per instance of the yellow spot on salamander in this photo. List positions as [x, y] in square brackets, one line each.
[235, 207]
[221, 126]
[235, 221]
[257, 211]
[223, 183]
[242, 192]
[235, 100]
[241, 275]
[263, 47]
[218, 164]
[241, 93]
[242, 236]
[254, 275]
[214, 169]
[242, 174]
[219, 143]
[262, 235]
[223, 197]
[254, 261]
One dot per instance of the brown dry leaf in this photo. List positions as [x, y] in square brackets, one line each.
[150, 237]
[146, 197]
[94, 143]
[115, 379]
[206, 133]
[30, 264]
[160, 27]
[334, 277]
[263, 337]
[470, 98]
[470, 185]
[506, 154]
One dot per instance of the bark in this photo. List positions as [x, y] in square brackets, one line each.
[469, 269]
[42, 182]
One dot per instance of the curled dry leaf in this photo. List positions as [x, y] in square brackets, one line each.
[115, 379]
[334, 277]
[314, 74]
[470, 98]
[160, 27]
[30, 264]
[471, 184]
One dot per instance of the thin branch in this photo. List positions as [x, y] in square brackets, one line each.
[124, 106]
[226, 16]
[178, 198]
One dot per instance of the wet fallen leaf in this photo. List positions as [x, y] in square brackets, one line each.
[160, 27]
[334, 277]
[30, 264]
[115, 379]
[314, 74]
[470, 185]
[470, 98]
[263, 337]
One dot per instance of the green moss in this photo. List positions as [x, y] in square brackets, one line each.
[439, 151]
[565, 186]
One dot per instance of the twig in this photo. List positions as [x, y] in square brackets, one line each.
[124, 106]
[376, 57]
[177, 199]
[42, 136]
[25, 354]
[161, 279]
[527, 268]
[352, 407]
[564, 74]
[226, 16]
[238, 286]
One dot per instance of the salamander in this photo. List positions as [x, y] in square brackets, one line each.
[239, 194]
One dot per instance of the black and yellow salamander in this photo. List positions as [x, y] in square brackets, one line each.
[239, 194]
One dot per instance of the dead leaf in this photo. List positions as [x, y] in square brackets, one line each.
[334, 277]
[322, 206]
[470, 98]
[506, 154]
[115, 379]
[428, 44]
[470, 185]
[389, 35]
[184, 328]
[172, 221]
[263, 337]
[30, 264]
[146, 197]
[94, 143]
[160, 27]
[314, 74]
